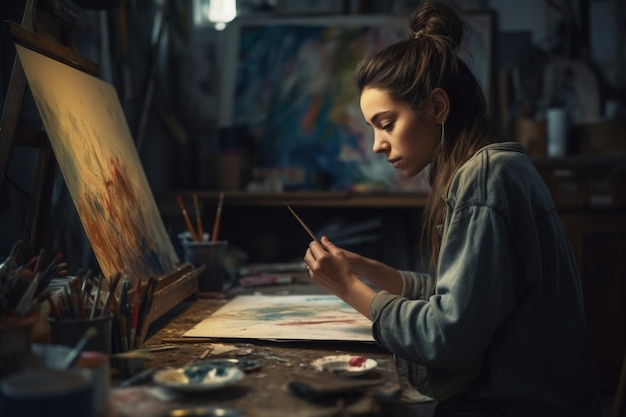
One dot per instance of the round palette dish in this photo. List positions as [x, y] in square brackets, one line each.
[204, 412]
[246, 365]
[344, 365]
[199, 378]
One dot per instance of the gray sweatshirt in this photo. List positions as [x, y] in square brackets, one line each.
[504, 321]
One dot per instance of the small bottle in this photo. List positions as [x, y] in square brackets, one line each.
[556, 131]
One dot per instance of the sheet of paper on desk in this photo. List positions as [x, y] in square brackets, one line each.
[286, 317]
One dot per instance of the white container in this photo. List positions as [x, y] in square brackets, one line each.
[93, 365]
[557, 127]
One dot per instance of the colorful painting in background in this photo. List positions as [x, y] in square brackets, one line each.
[294, 89]
[93, 145]
[286, 317]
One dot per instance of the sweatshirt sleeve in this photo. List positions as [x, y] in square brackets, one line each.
[473, 296]
[417, 286]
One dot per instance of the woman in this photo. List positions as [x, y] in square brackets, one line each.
[500, 328]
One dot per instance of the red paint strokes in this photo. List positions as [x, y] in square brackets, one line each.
[291, 323]
[357, 361]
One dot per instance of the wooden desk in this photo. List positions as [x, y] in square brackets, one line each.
[265, 392]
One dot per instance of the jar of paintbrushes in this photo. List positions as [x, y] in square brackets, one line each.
[83, 302]
[23, 289]
[204, 250]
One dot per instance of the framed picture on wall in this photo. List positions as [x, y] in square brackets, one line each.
[290, 81]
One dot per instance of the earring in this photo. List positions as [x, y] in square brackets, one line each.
[443, 132]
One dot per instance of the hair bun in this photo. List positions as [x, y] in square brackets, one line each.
[437, 20]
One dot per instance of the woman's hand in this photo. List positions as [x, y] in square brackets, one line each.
[381, 275]
[330, 268]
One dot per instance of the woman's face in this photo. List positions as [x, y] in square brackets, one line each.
[406, 138]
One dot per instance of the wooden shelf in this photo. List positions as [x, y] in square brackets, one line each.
[584, 171]
[342, 199]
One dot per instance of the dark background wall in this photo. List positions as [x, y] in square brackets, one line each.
[177, 126]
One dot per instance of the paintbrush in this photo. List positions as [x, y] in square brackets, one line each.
[115, 279]
[77, 295]
[57, 258]
[135, 314]
[218, 216]
[53, 307]
[196, 208]
[96, 298]
[144, 308]
[69, 302]
[192, 231]
[139, 378]
[123, 311]
[71, 358]
[24, 304]
[52, 271]
[302, 223]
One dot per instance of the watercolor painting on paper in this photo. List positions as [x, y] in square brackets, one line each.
[92, 143]
[286, 317]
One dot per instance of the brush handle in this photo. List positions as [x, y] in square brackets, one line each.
[71, 358]
[218, 217]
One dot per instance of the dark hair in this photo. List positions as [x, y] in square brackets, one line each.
[409, 70]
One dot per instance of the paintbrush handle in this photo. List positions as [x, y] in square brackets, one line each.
[187, 340]
[53, 307]
[198, 217]
[77, 350]
[112, 288]
[218, 217]
[192, 231]
[139, 378]
[194, 235]
[96, 298]
[306, 228]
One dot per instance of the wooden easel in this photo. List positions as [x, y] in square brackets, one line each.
[46, 28]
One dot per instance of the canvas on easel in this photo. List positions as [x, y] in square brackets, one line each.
[93, 145]
[87, 130]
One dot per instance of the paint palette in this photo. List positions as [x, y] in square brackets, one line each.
[344, 365]
[204, 412]
[199, 378]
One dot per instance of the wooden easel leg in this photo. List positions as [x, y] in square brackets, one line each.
[10, 115]
[40, 203]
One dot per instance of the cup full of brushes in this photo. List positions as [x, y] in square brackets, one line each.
[23, 288]
[80, 304]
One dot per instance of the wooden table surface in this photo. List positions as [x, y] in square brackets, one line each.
[266, 391]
